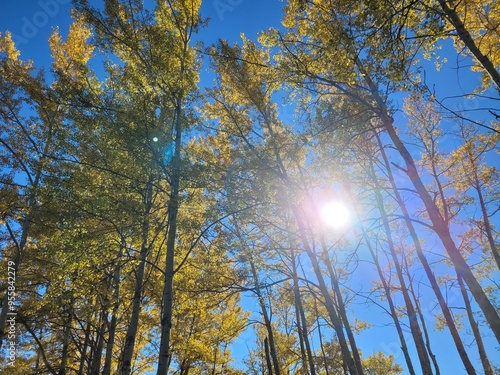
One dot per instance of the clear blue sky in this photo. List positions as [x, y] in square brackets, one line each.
[32, 22]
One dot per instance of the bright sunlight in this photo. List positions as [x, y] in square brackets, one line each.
[335, 214]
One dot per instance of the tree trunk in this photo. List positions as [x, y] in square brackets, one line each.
[95, 367]
[424, 328]
[112, 325]
[65, 341]
[267, 321]
[341, 306]
[412, 316]
[128, 350]
[83, 351]
[307, 356]
[184, 367]
[268, 357]
[392, 308]
[325, 362]
[173, 207]
[486, 219]
[475, 329]
[440, 227]
[329, 304]
[469, 42]
[300, 332]
[427, 268]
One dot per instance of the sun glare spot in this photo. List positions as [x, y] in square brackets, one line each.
[335, 214]
[155, 139]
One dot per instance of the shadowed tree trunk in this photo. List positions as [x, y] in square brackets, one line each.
[95, 367]
[268, 357]
[114, 315]
[65, 341]
[173, 208]
[125, 367]
[83, 351]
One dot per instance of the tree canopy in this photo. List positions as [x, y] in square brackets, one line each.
[318, 207]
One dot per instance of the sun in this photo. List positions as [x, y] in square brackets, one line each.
[335, 214]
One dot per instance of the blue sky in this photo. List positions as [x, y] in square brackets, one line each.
[32, 22]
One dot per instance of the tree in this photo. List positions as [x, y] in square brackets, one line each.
[25, 154]
[475, 23]
[363, 65]
[469, 172]
[141, 214]
[378, 364]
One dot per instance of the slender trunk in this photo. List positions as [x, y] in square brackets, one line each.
[65, 342]
[173, 207]
[329, 303]
[325, 362]
[427, 268]
[95, 367]
[486, 219]
[214, 361]
[341, 305]
[412, 316]
[300, 332]
[38, 355]
[83, 351]
[475, 330]
[309, 352]
[442, 230]
[440, 227]
[267, 320]
[130, 338]
[424, 329]
[184, 367]
[114, 316]
[392, 307]
[469, 42]
[305, 345]
[268, 357]
[110, 344]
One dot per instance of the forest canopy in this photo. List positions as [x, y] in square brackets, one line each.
[320, 199]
